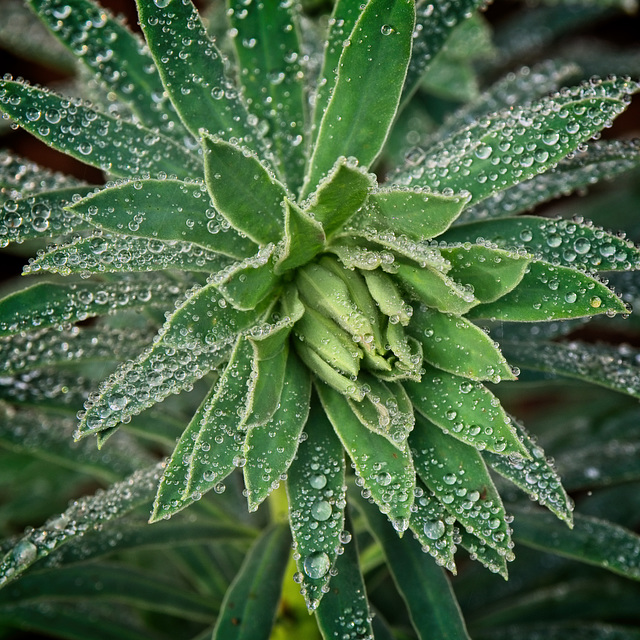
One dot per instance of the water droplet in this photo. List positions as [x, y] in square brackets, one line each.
[386, 29]
[321, 511]
[318, 480]
[316, 565]
[434, 529]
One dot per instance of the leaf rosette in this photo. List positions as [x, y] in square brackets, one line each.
[336, 313]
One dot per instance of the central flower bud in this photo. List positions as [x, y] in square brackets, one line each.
[352, 336]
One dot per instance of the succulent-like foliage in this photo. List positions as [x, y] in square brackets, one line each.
[340, 319]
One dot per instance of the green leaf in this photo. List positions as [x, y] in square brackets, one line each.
[270, 448]
[206, 319]
[250, 605]
[385, 471]
[561, 242]
[158, 372]
[416, 213]
[49, 437]
[41, 215]
[316, 493]
[86, 514]
[457, 475]
[49, 304]
[407, 350]
[164, 210]
[20, 178]
[465, 410]
[484, 554]
[555, 126]
[433, 527]
[194, 74]
[341, 193]
[435, 288]
[385, 410]
[329, 341]
[337, 615]
[69, 622]
[118, 584]
[560, 631]
[591, 540]
[454, 344]
[597, 364]
[423, 585]
[112, 144]
[369, 80]
[246, 284]
[491, 272]
[256, 211]
[517, 87]
[105, 253]
[386, 295]
[303, 238]
[548, 292]
[435, 22]
[115, 55]
[270, 355]
[536, 476]
[343, 19]
[600, 161]
[68, 347]
[267, 47]
[321, 289]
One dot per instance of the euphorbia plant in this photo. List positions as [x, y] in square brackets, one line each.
[339, 317]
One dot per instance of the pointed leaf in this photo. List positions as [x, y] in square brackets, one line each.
[251, 603]
[112, 144]
[435, 289]
[246, 284]
[329, 341]
[88, 513]
[454, 344]
[386, 295]
[385, 471]
[316, 493]
[406, 349]
[341, 193]
[105, 253]
[341, 23]
[591, 540]
[539, 135]
[416, 213]
[41, 215]
[608, 367]
[548, 292]
[337, 615]
[194, 74]
[484, 554]
[465, 410]
[491, 272]
[115, 55]
[270, 356]
[385, 410]
[136, 385]
[118, 584]
[243, 190]
[603, 160]
[164, 210]
[561, 242]
[536, 476]
[432, 526]
[205, 319]
[423, 585]
[369, 81]
[49, 304]
[303, 238]
[460, 480]
[267, 47]
[270, 448]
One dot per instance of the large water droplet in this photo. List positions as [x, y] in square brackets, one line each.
[316, 565]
